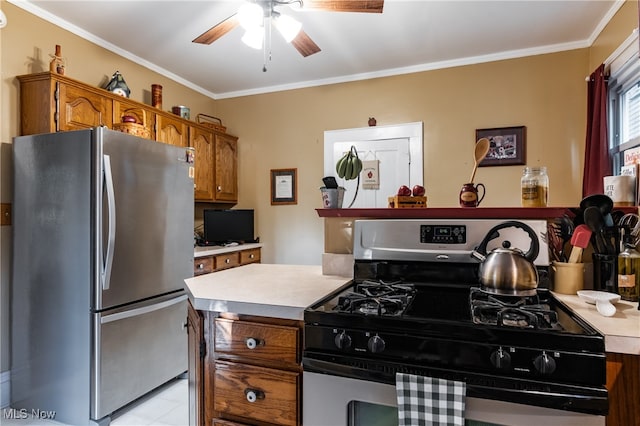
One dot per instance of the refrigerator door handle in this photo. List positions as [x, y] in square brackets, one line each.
[111, 239]
[144, 310]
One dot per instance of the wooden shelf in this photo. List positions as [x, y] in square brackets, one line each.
[452, 213]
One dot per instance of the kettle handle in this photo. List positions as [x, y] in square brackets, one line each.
[530, 255]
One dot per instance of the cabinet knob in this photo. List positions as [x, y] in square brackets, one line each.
[200, 265]
[253, 394]
[253, 343]
[251, 256]
[219, 188]
[227, 260]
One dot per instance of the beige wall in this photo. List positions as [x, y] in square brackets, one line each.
[546, 93]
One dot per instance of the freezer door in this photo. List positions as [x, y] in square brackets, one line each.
[147, 218]
[137, 350]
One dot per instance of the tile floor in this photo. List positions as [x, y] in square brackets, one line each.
[166, 406]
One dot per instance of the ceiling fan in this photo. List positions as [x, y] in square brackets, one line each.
[256, 14]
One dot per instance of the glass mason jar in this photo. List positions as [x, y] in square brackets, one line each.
[534, 186]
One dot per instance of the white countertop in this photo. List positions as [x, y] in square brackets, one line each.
[278, 291]
[621, 331]
[215, 250]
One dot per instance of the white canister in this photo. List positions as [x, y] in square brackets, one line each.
[621, 189]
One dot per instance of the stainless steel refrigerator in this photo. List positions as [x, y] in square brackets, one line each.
[103, 239]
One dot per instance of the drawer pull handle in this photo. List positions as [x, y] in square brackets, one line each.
[253, 343]
[200, 265]
[227, 260]
[251, 256]
[253, 394]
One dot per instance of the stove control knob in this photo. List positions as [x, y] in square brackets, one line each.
[501, 359]
[545, 364]
[343, 340]
[376, 344]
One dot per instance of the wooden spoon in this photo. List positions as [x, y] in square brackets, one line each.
[482, 148]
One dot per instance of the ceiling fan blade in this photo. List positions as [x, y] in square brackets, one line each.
[303, 44]
[218, 30]
[369, 6]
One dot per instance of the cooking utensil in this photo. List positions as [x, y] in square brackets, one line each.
[595, 221]
[508, 270]
[579, 240]
[481, 150]
[603, 202]
[566, 229]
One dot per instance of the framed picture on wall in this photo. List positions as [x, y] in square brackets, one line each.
[506, 146]
[284, 186]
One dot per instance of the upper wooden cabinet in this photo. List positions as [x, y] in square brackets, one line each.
[226, 168]
[172, 129]
[52, 102]
[216, 165]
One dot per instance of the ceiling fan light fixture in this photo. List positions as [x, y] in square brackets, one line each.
[287, 26]
[254, 37]
[250, 15]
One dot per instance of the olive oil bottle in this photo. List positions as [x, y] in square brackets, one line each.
[629, 270]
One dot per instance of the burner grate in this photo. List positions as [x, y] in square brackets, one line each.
[376, 298]
[512, 311]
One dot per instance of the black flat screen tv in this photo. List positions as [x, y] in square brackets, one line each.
[228, 226]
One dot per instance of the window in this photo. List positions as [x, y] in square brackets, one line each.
[624, 107]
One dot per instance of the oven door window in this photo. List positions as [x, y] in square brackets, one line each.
[368, 414]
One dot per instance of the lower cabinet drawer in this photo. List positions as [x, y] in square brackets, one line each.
[249, 256]
[227, 260]
[257, 393]
[202, 265]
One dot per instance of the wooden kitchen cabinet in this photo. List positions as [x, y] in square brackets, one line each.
[623, 384]
[226, 168]
[202, 140]
[172, 130]
[256, 372]
[52, 102]
[216, 177]
[197, 346]
[208, 264]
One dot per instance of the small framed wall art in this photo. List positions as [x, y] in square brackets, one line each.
[284, 186]
[506, 146]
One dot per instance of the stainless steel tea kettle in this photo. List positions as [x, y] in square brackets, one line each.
[507, 270]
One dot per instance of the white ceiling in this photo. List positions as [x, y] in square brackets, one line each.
[409, 36]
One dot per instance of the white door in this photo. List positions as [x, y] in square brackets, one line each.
[393, 161]
[397, 149]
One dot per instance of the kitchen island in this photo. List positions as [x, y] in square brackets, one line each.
[245, 342]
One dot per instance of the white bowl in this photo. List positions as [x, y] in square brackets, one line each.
[591, 296]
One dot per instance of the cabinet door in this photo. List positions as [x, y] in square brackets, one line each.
[81, 109]
[203, 142]
[172, 130]
[226, 169]
[142, 115]
[195, 330]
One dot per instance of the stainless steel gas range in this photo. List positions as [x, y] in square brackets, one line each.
[415, 306]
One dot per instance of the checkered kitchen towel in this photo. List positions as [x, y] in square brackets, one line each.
[425, 401]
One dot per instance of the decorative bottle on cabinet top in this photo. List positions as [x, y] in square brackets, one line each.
[534, 186]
